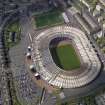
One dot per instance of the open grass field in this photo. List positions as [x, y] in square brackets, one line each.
[65, 57]
[48, 19]
[12, 34]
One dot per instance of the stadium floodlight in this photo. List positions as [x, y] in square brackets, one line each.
[37, 76]
[29, 48]
[28, 55]
[32, 68]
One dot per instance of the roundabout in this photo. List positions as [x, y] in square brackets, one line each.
[89, 66]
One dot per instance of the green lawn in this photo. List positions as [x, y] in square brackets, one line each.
[92, 3]
[101, 43]
[78, 5]
[48, 19]
[65, 57]
[10, 29]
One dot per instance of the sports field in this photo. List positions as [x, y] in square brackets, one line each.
[48, 19]
[65, 57]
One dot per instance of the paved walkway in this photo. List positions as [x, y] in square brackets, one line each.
[41, 83]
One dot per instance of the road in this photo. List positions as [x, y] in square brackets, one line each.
[27, 91]
[4, 92]
[97, 83]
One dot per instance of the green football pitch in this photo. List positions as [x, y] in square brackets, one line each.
[48, 19]
[65, 57]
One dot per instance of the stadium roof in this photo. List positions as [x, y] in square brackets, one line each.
[103, 2]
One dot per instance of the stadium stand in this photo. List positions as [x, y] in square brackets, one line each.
[54, 75]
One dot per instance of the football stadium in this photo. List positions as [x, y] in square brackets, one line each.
[64, 57]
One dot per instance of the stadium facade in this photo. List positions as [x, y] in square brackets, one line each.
[54, 75]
